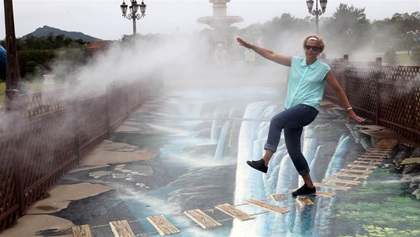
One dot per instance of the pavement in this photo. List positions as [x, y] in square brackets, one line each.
[167, 158]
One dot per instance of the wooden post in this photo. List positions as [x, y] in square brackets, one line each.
[346, 64]
[12, 68]
[378, 73]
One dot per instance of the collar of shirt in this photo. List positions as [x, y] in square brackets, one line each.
[312, 66]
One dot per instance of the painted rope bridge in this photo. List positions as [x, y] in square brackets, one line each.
[344, 180]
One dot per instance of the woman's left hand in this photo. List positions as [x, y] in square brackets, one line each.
[353, 116]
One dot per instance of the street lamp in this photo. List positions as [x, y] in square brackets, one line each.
[316, 12]
[133, 15]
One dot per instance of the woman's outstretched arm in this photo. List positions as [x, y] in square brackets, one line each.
[266, 53]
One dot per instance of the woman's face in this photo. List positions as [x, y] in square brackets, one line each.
[311, 49]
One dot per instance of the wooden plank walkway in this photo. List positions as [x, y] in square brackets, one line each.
[357, 171]
[361, 168]
[234, 212]
[342, 181]
[412, 160]
[121, 229]
[81, 231]
[324, 194]
[304, 201]
[202, 219]
[351, 175]
[268, 206]
[332, 186]
[278, 197]
[162, 225]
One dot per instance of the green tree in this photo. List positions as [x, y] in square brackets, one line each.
[36, 54]
[347, 29]
[415, 55]
[391, 57]
[396, 31]
[281, 29]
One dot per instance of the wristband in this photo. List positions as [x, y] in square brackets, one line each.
[349, 108]
[250, 47]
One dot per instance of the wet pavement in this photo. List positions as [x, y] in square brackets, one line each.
[185, 149]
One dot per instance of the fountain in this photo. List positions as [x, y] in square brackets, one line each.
[220, 21]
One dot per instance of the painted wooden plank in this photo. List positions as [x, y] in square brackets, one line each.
[411, 160]
[357, 171]
[380, 150]
[367, 162]
[376, 153]
[338, 187]
[234, 212]
[162, 225]
[386, 143]
[351, 175]
[202, 219]
[369, 156]
[385, 147]
[268, 206]
[121, 229]
[343, 181]
[81, 231]
[370, 159]
[372, 127]
[363, 166]
[278, 197]
[324, 194]
[304, 201]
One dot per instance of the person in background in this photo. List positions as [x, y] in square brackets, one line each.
[3, 62]
[307, 79]
[3, 67]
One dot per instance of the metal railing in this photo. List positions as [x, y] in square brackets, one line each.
[387, 95]
[51, 132]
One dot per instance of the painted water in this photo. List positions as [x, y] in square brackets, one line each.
[205, 137]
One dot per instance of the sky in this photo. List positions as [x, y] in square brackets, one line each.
[103, 18]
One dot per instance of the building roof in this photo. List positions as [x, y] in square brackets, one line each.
[97, 45]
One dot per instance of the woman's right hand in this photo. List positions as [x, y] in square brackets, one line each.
[244, 43]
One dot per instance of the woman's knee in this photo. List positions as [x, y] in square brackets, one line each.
[277, 121]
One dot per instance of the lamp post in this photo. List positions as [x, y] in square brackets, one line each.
[316, 12]
[12, 66]
[133, 15]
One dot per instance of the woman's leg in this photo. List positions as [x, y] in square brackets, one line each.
[293, 145]
[295, 117]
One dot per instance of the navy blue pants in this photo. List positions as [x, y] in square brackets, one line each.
[292, 121]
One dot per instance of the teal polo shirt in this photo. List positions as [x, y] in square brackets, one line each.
[306, 83]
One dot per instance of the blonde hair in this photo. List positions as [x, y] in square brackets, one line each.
[319, 41]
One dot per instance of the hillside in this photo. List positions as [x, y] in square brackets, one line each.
[45, 30]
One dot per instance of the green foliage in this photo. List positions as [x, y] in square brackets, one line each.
[33, 62]
[49, 42]
[278, 29]
[415, 55]
[36, 55]
[382, 208]
[391, 57]
[379, 231]
[348, 27]
[346, 32]
[2, 92]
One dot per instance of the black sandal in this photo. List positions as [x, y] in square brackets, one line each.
[258, 165]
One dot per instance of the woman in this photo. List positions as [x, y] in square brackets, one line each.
[304, 93]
